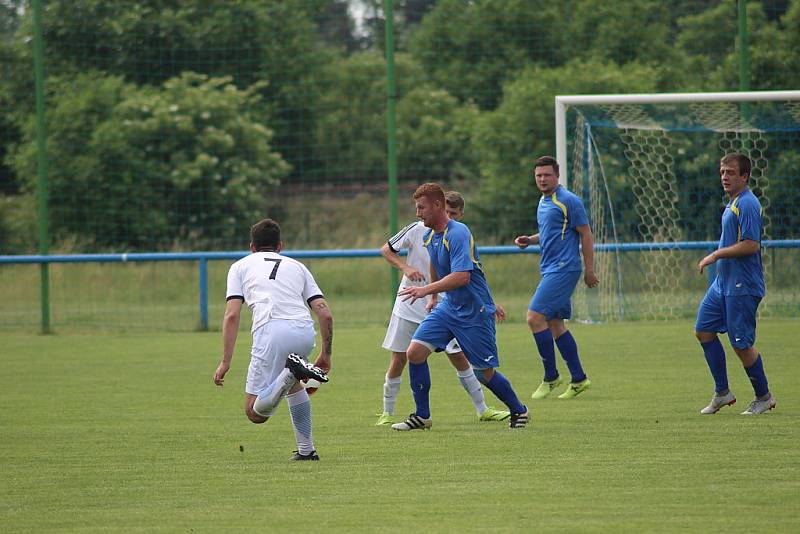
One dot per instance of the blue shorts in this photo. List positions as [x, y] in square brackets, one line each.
[552, 296]
[476, 335]
[735, 315]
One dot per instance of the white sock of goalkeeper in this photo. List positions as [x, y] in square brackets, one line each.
[473, 389]
[269, 398]
[390, 389]
[300, 409]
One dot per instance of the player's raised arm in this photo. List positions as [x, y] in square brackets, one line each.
[325, 318]
[230, 329]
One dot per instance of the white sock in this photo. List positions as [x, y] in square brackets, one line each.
[473, 389]
[390, 389]
[300, 410]
[269, 398]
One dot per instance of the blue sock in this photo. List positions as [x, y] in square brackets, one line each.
[544, 342]
[569, 351]
[501, 387]
[715, 358]
[758, 378]
[419, 375]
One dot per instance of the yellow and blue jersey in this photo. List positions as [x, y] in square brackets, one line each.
[741, 220]
[558, 216]
[454, 250]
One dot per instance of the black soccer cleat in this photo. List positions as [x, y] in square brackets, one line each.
[518, 420]
[302, 370]
[297, 457]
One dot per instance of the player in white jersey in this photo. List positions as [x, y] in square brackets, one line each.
[279, 291]
[407, 316]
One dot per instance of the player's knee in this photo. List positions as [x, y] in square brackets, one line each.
[536, 321]
[417, 353]
[254, 417]
[705, 337]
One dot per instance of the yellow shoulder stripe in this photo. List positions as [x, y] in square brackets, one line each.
[563, 210]
[734, 207]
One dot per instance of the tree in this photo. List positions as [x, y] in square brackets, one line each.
[351, 133]
[433, 137]
[472, 48]
[507, 140]
[151, 41]
[185, 164]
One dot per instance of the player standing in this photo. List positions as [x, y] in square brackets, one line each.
[563, 231]
[278, 290]
[732, 299]
[406, 317]
[467, 314]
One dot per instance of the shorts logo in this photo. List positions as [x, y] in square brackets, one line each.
[739, 284]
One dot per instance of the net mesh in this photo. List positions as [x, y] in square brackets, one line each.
[650, 175]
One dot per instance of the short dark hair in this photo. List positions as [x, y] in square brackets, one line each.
[741, 160]
[546, 161]
[454, 200]
[265, 235]
[434, 192]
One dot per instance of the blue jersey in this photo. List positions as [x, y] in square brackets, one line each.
[452, 251]
[558, 215]
[741, 220]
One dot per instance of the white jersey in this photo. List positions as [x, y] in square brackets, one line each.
[273, 286]
[410, 238]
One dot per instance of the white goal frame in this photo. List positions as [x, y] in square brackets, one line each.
[563, 102]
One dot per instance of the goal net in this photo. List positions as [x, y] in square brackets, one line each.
[647, 167]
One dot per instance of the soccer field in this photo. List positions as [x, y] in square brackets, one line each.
[127, 433]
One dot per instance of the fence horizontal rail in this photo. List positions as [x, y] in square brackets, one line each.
[202, 258]
[356, 253]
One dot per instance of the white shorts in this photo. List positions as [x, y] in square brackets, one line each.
[272, 343]
[400, 332]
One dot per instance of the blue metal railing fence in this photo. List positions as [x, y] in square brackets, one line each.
[202, 258]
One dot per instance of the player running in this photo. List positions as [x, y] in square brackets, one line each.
[279, 290]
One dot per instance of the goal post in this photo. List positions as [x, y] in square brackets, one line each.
[646, 166]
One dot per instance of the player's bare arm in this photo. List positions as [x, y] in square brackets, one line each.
[396, 261]
[230, 329]
[451, 281]
[587, 249]
[745, 247]
[523, 241]
[325, 320]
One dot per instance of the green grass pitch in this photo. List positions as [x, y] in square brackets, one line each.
[127, 433]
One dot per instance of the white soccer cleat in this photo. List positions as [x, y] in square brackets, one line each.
[413, 422]
[757, 407]
[717, 402]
